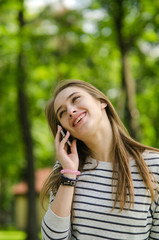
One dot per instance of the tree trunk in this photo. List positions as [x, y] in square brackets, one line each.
[128, 86]
[128, 83]
[32, 230]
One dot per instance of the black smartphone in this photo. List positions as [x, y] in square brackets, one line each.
[63, 134]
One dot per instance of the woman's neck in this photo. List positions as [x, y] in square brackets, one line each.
[101, 144]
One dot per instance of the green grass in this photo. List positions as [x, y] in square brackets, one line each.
[12, 235]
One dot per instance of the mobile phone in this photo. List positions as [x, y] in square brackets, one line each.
[63, 135]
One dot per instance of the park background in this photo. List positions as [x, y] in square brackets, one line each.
[113, 44]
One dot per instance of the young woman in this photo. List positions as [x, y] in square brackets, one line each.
[104, 184]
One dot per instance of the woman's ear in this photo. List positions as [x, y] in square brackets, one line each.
[103, 105]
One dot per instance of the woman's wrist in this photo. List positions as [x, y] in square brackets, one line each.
[70, 171]
[68, 181]
[69, 175]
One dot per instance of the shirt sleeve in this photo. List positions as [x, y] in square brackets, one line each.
[53, 226]
[154, 234]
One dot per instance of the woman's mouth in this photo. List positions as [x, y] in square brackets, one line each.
[79, 118]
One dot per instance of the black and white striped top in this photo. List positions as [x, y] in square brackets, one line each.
[93, 218]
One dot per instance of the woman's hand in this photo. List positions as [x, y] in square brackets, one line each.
[67, 160]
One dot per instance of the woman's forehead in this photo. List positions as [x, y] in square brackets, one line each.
[66, 93]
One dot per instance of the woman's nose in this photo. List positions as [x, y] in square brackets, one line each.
[72, 111]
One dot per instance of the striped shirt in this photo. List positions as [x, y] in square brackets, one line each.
[92, 207]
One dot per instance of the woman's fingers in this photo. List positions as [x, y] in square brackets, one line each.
[64, 140]
[67, 159]
[74, 146]
[57, 137]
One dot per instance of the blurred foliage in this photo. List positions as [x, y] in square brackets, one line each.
[61, 43]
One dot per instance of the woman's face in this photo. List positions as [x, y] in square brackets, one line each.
[78, 111]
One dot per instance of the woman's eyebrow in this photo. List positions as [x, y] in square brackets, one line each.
[66, 100]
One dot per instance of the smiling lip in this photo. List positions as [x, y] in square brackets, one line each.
[78, 119]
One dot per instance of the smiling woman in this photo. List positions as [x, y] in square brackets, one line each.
[105, 185]
[77, 111]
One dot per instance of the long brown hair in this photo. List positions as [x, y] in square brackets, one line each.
[124, 145]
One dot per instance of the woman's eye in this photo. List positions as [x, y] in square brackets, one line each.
[75, 98]
[61, 113]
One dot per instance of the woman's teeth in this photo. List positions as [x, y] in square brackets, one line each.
[79, 118]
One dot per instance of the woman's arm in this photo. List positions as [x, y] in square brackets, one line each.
[56, 223]
[154, 234]
[53, 226]
[62, 203]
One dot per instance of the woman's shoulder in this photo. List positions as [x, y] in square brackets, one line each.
[151, 158]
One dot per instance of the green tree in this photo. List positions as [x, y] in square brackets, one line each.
[32, 230]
